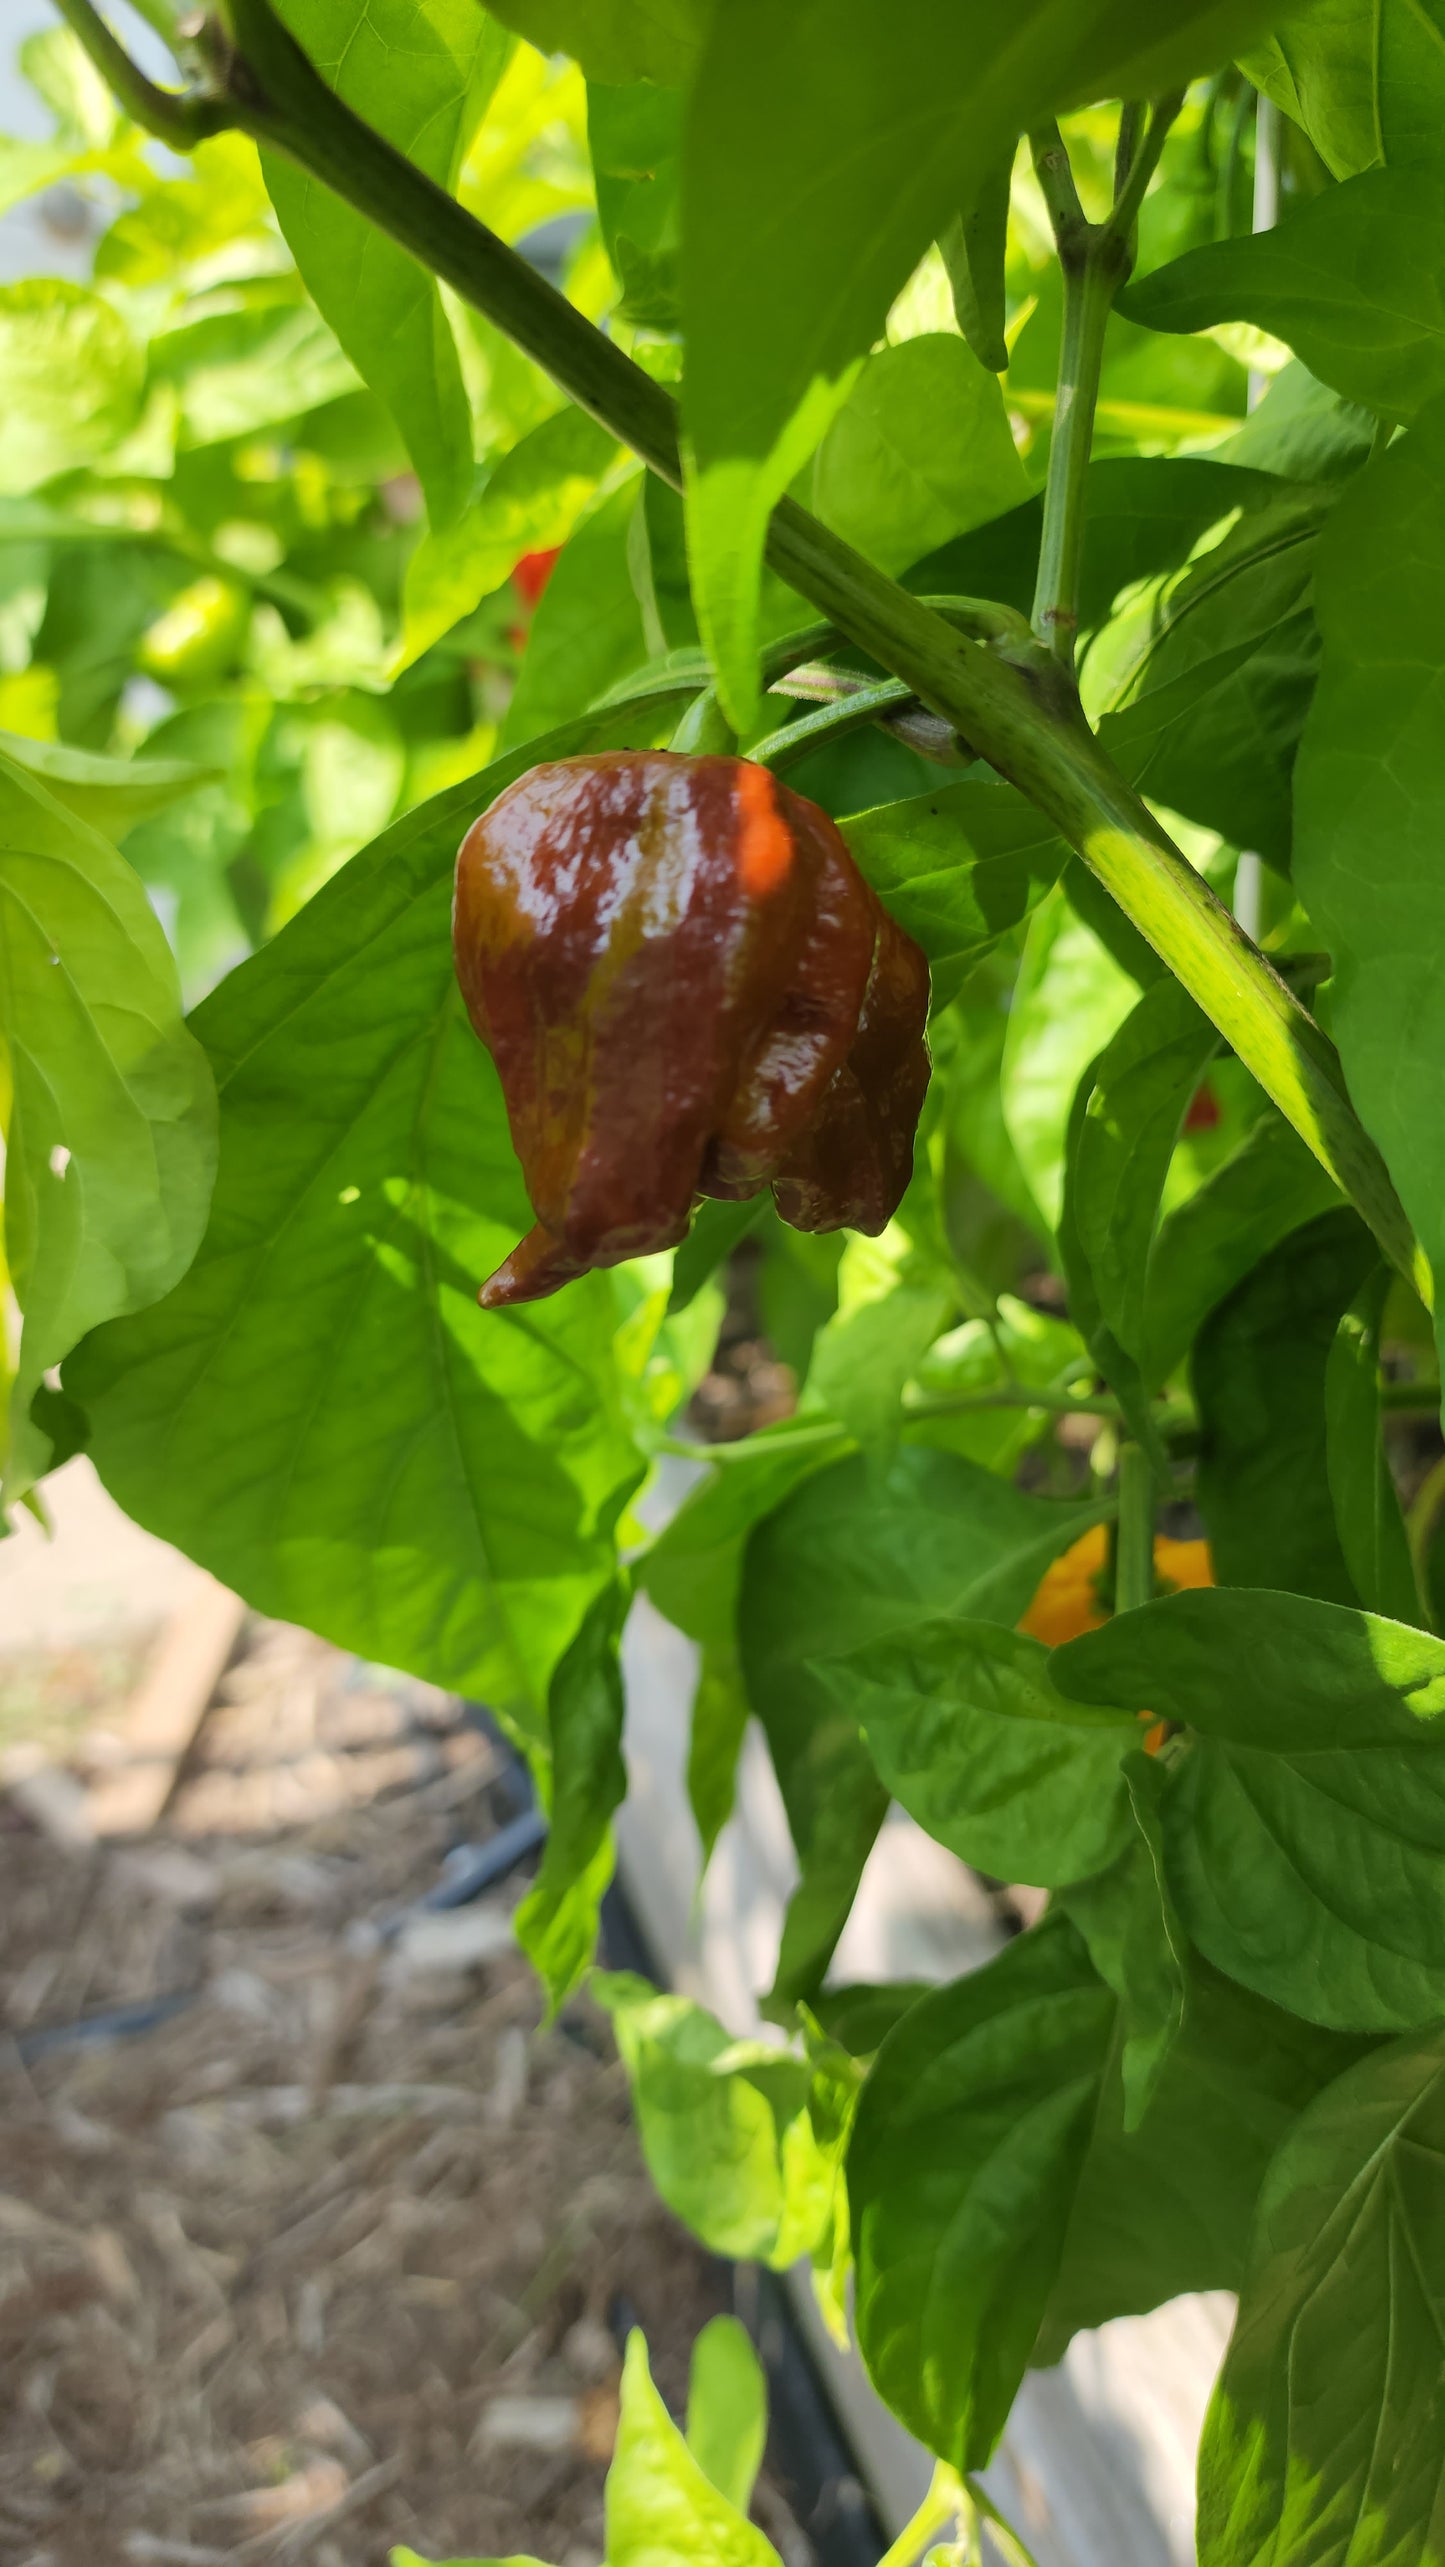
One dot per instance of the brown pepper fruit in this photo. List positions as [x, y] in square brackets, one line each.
[687, 988]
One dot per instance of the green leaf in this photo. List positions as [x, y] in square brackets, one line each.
[1136, 1942]
[1302, 431]
[420, 75]
[529, 502]
[724, 2125]
[1259, 1380]
[1167, 2206]
[975, 253]
[110, 794]
[959, 868]
[1202, 684]
[1123, 1140]
[221, 200]
[1362, 1487]
[727, 2409]
[585, 1781]
[970, 1736]
[920, 451]
[72, 375]
[1070, 999]
[662, 2508]
[1371, 800]
[587, 631]
[413, 2558]
[110, 1145]
[1326, 2436]
[720, 1713]
[864, 1357]
[321, 1413]
[862, 1549]
[716, 1230]
[1268, 1187]
[826, 146]
[614, 40]
[1330, 282]
[966, 2151]
[1305, 1824]
[27, 167]
[635, 138]
[1367, 82]
[56, 64]
[238, 371]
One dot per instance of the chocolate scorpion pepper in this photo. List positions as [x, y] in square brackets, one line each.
[688, 989]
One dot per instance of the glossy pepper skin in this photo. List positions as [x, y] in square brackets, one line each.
[687, 988]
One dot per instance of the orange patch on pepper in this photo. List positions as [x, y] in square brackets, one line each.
[1068, 1601]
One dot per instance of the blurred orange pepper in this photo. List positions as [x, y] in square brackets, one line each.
[1069, 1601]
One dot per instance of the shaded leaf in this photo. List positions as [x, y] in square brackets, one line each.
[1271, 1185]
[1306, 2454]
[969, 1735]
[863, 1549]
[615, 40]
[1362, 1486]
[1366, 80]
[1069, 1001]
[1168, 2206]
[1330, 282]
[866, 1354]
[635, 138]
[1305, 1824]
[1259, 1380]
[959, 868]
[1132, 1109]
[975, 252]
[585, 1781]
[920, 450]
[716, 1230]
[1370, 800]
[967, 2147]
[1128, 1919]
[1204, 681]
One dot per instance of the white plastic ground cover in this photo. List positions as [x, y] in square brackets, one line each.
[1097, 2466]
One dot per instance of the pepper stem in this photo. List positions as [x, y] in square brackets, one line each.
[1134, 1531]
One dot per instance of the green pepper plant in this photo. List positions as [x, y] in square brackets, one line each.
[911, 406]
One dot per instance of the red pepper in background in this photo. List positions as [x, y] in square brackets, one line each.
[687, 988]
[531, 574]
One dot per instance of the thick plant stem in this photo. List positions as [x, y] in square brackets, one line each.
[1016, 707]
[1134, 1533]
